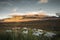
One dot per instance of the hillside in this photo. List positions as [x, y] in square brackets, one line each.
[50, 24]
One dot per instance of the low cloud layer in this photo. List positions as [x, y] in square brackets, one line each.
[33, 13]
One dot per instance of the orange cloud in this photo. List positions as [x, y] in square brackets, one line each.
[43, 1]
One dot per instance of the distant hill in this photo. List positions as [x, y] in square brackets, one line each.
[45, 24]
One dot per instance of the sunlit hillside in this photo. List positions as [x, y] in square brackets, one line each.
[16, 17]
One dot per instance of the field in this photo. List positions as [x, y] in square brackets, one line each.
[24, 33]
[34, 30]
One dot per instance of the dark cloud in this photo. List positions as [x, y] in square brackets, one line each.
[6, 0]
[8, 5]
[18, 0]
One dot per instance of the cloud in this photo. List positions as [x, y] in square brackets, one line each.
[7, 3]
[41, 12]
[14, 9]
[43, 1]
[16, 13]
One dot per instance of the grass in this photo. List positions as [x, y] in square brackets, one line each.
[25, 34]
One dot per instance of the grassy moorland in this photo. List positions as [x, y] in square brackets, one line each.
[28, 34]
[16, 30]
[53, 25]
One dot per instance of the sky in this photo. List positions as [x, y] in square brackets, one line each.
[23, 6]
